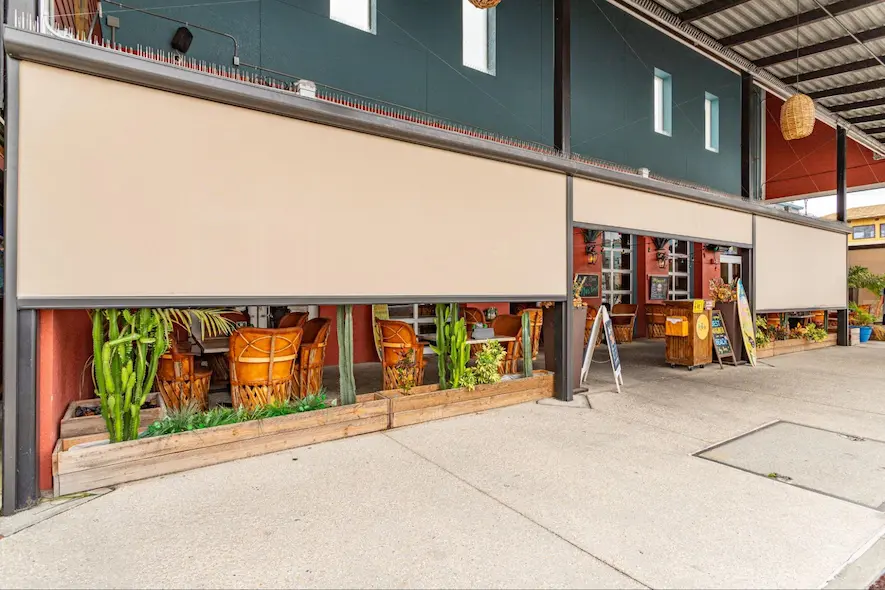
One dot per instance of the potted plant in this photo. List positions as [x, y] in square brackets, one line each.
[863, 319]
[861, 278]
[127, 346]
[724, 296]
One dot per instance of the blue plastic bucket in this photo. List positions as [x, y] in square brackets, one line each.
[865, 333]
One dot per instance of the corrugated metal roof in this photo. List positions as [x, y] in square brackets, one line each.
[755, 13]
[860, 213]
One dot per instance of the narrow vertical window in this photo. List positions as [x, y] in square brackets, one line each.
[711, 122]
[663, 105]
[478, 37]
[359, 14]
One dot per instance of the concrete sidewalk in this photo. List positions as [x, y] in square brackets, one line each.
[536, 495]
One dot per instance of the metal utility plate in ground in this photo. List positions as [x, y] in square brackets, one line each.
[832, 463]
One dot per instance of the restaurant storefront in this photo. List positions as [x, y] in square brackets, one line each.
[309, 205]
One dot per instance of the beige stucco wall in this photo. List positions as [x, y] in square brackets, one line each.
[126, 191]
[799, 267]
[873, 259]
[596, 203]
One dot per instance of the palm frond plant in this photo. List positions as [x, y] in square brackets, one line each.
[127, 346]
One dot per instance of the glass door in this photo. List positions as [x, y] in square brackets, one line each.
[680, 283]
[617, 268]
[729, 267]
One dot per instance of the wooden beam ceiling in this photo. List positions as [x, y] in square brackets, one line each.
[863, 104]
[868, 35]
[850, 89]
[791, 22]
[867, 118]
[707, 9]
[853, 66]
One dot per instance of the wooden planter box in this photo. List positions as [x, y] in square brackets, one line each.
[779, 347]
[72, 426]
[90, 466]
[427, 402]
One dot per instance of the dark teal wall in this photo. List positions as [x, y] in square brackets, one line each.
[414, 60]
[613, 60]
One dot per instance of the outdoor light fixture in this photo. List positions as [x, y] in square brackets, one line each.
[182, 39]
[662, 258]
[590, 237]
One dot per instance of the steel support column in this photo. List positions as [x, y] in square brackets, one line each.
[842, 336]
[746, 134]
[562, 121]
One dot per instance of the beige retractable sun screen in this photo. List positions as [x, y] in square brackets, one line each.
[799, 267]
[607, 205]
[127, 191]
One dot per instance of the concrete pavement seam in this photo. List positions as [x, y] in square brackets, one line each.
[798, 399]
[514, 510]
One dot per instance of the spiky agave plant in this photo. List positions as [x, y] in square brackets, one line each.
[127, 346]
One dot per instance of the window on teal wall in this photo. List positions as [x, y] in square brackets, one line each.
[663, 104]
[478, 37]
[711, 122]
[359, 14]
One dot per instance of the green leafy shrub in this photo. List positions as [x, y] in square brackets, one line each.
[190, 418]
[486, 368]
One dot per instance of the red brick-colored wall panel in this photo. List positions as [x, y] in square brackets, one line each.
[582, 264]
[706, 268]
[808, 166]
[64, 348]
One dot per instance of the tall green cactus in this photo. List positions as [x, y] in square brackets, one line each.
[526, 345]
[442, 344]
[347, 384]
[459, 351]
[127, 348]
[451, 348]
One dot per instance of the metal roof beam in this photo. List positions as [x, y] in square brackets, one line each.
[708, 9]
[863, 104]
[838, 43]
[850, 89]
[853, 66]
[875, 130]
[791, 22]
[866, 118]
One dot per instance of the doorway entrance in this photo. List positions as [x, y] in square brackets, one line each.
[730, 267]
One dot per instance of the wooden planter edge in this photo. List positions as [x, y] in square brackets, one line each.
[71, 426]
[81, 469]
[78, 470]
[415, 408]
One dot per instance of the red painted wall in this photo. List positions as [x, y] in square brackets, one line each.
[808, 166]
[706, 268]
[582, 266]
[64, 347]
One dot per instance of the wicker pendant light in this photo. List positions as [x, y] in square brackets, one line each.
[797, 114]
[797, 117]
[485, 3]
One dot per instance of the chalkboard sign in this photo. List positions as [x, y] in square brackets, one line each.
[591, 284]
[605, 321]
[612, 344]
[657, 287]
[721, 342]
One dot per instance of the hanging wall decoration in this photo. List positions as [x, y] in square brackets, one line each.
[485, 3]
